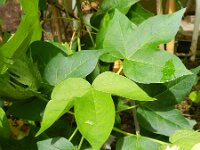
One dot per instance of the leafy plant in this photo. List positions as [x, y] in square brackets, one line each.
[42, 80]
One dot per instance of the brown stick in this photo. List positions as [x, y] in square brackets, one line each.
[56, 24]
[171, 8]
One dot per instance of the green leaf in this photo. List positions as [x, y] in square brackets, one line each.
[2, 2]
[164, 121]
[28, 31]
[63, 96]
[123, 6]
[195, 96]
[4, 125]
[53, 111]
[135, 143]
[42, 52]
[147, 67]
[185, 139]
[113, 83]
[79, 64]
[169, 93]
[70, 89]
[58, 143]
[115, 34]
[137, 14]
[22, 80]
[142, 62]
[95, 116]
[30, 110]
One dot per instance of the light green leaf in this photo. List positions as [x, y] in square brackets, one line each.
[58, 143]
[4, 125]
[2, 2]
[70, 89]
[164, 121]
[146, 66]
[63, 96]
[53, 111]
[95, 116]
[123, 6]
[113, 83]
[135, 143]
[137, 14]
[185, 139]
[79, 64]
[28, 31]
[195, 96]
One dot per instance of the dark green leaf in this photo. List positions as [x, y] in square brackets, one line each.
[123, 6]
[58, 143]
[95, 115]
[135, 143]
[113, 83]
[30, 110]
[4, 125]
[79, 64]
[170, 93]
[137, 14]
[164, 121]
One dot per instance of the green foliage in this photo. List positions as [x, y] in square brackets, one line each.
[58, 143]
[117, 85]
[4, 126]
[95, 116]
[52, 82]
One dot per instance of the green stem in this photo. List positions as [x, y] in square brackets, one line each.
[71, 42]
[79, 42]
[92, 40]
[73, 134]
[71, 113]
[130, 134]
[81, 142]
[120, 69]
[131, 107]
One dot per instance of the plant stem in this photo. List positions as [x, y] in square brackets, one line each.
[120, 69]
[73, 134]
[79, 42]
[195, 31]
[131, 107]
[71, 42]
[81, 142]
[137, 127]
[92, 40]
[130, 134]
[71, 113]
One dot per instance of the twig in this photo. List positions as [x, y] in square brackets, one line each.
[137, 127]
[193, 47]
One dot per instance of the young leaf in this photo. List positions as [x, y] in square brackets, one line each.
[121, 86]
[164, 121]
[95, 115]
[135, 143]
[63, 96]
[53, 111]
[57, 143]
[4, 125]
[70, 89]
[123, 6]
[186, 139]
[77, 65]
